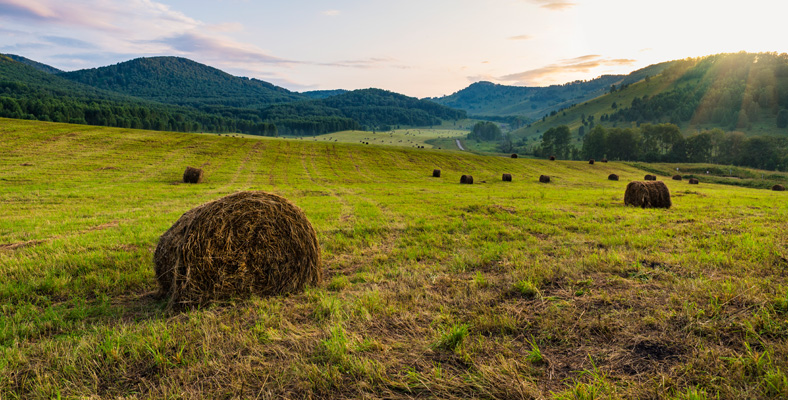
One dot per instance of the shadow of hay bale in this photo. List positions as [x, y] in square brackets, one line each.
[647, 195]
[242, 244]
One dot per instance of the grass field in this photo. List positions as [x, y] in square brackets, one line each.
[398, 137]
[432, 289]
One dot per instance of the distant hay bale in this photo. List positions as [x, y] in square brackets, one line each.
[612, 177]
[693, 181]
[676, 177]
[544, 179]
[514, 155]
[507, 177]
[192, 175]
[650, 178]
[647, 195]
[604, 160]
[552, 158]
[436, 173]
[242, 244]
[591, 161]
[467, 179]
[778, 188]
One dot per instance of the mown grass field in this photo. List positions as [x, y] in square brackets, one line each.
[433, 289]
[398, 137]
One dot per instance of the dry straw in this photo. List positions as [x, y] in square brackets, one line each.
[507, 177]
[650, 178]
[612, 177]
[544, 179]
[242, 244]
[467, 179]
[436, 173]
[676, 177]
[647, 195]
[693, 181]
[192, 175]
[778, 188]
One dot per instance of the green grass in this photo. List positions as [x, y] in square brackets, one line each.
[413, 137]
[432, 289]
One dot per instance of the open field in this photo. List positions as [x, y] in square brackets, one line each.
[433, 289]
[397, 137]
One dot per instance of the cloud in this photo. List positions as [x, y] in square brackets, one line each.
[366, 63]
[521, 37]
[584, 64]
[217, 47]
[555, 5]
[68, 42]
[331, 13]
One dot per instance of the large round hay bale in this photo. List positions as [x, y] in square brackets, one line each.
[612, 177]
[192, 175]
[650, 178]
[693, 181]
[676, 177]
[242, 244]
[604, 160]
[466, 179]
[552, 158]
[506, 177]
[436, 173]
[514, 155]
[591, 161]
[647, 195]
[544, 179]
[778, 188]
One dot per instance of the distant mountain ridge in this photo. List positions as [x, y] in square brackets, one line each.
[35, 64]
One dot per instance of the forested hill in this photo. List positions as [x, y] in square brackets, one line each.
[490, 99]
[745, 92]
[180, 81]
[35, 64]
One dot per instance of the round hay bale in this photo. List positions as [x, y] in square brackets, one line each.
[552, 158]
[192, 175]
[436, 173]
[647, 194]
[242, 244]
[612, 177]
[514, 155]
[466, 179]
[591, 161]
[544, 179]
[507, 177]
[778, 188]
[693, 181]
[676, 177]
[604, 160]
[650, 178]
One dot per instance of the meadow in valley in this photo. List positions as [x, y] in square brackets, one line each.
[431, 289]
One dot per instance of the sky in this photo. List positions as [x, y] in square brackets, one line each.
[421, 48]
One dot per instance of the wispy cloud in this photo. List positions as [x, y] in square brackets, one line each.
[188, 43]
[521, 37]
[331, 13]
[551, 73]
[555, 5]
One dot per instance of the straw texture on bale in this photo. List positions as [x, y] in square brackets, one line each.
[436, 173]
[612, 177]
[242, 244]
[192, 175]
[676, 177]
[650, 178]
[467, 179]
[647, 195]
[544, 179]
[778, 188]
[507, 177]
[552, 158]
[514, 155]
[591, 161]
[693, 181]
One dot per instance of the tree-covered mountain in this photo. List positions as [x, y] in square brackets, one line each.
[180, 81]
[322, 94]
[35, 64]
[493, 100]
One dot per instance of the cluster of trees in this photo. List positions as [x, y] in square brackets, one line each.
[486, 131]
[665, 143]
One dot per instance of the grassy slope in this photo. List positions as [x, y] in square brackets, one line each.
[433, 289]
[411, 137]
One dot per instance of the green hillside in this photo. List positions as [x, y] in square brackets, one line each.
[35, 64]
[432, 289]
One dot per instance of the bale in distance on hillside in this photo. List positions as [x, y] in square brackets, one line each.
[552, 158]
[436, 173]
[612, 177]
[604, 160]
[242, 244]
[647, 194]
[693, 181]
[544, 179]
[778, 188]
[466, 179]
[192, 175]
[676, 177]
[514, 155]
[650, 178]
[591, 161]
[506, 177]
